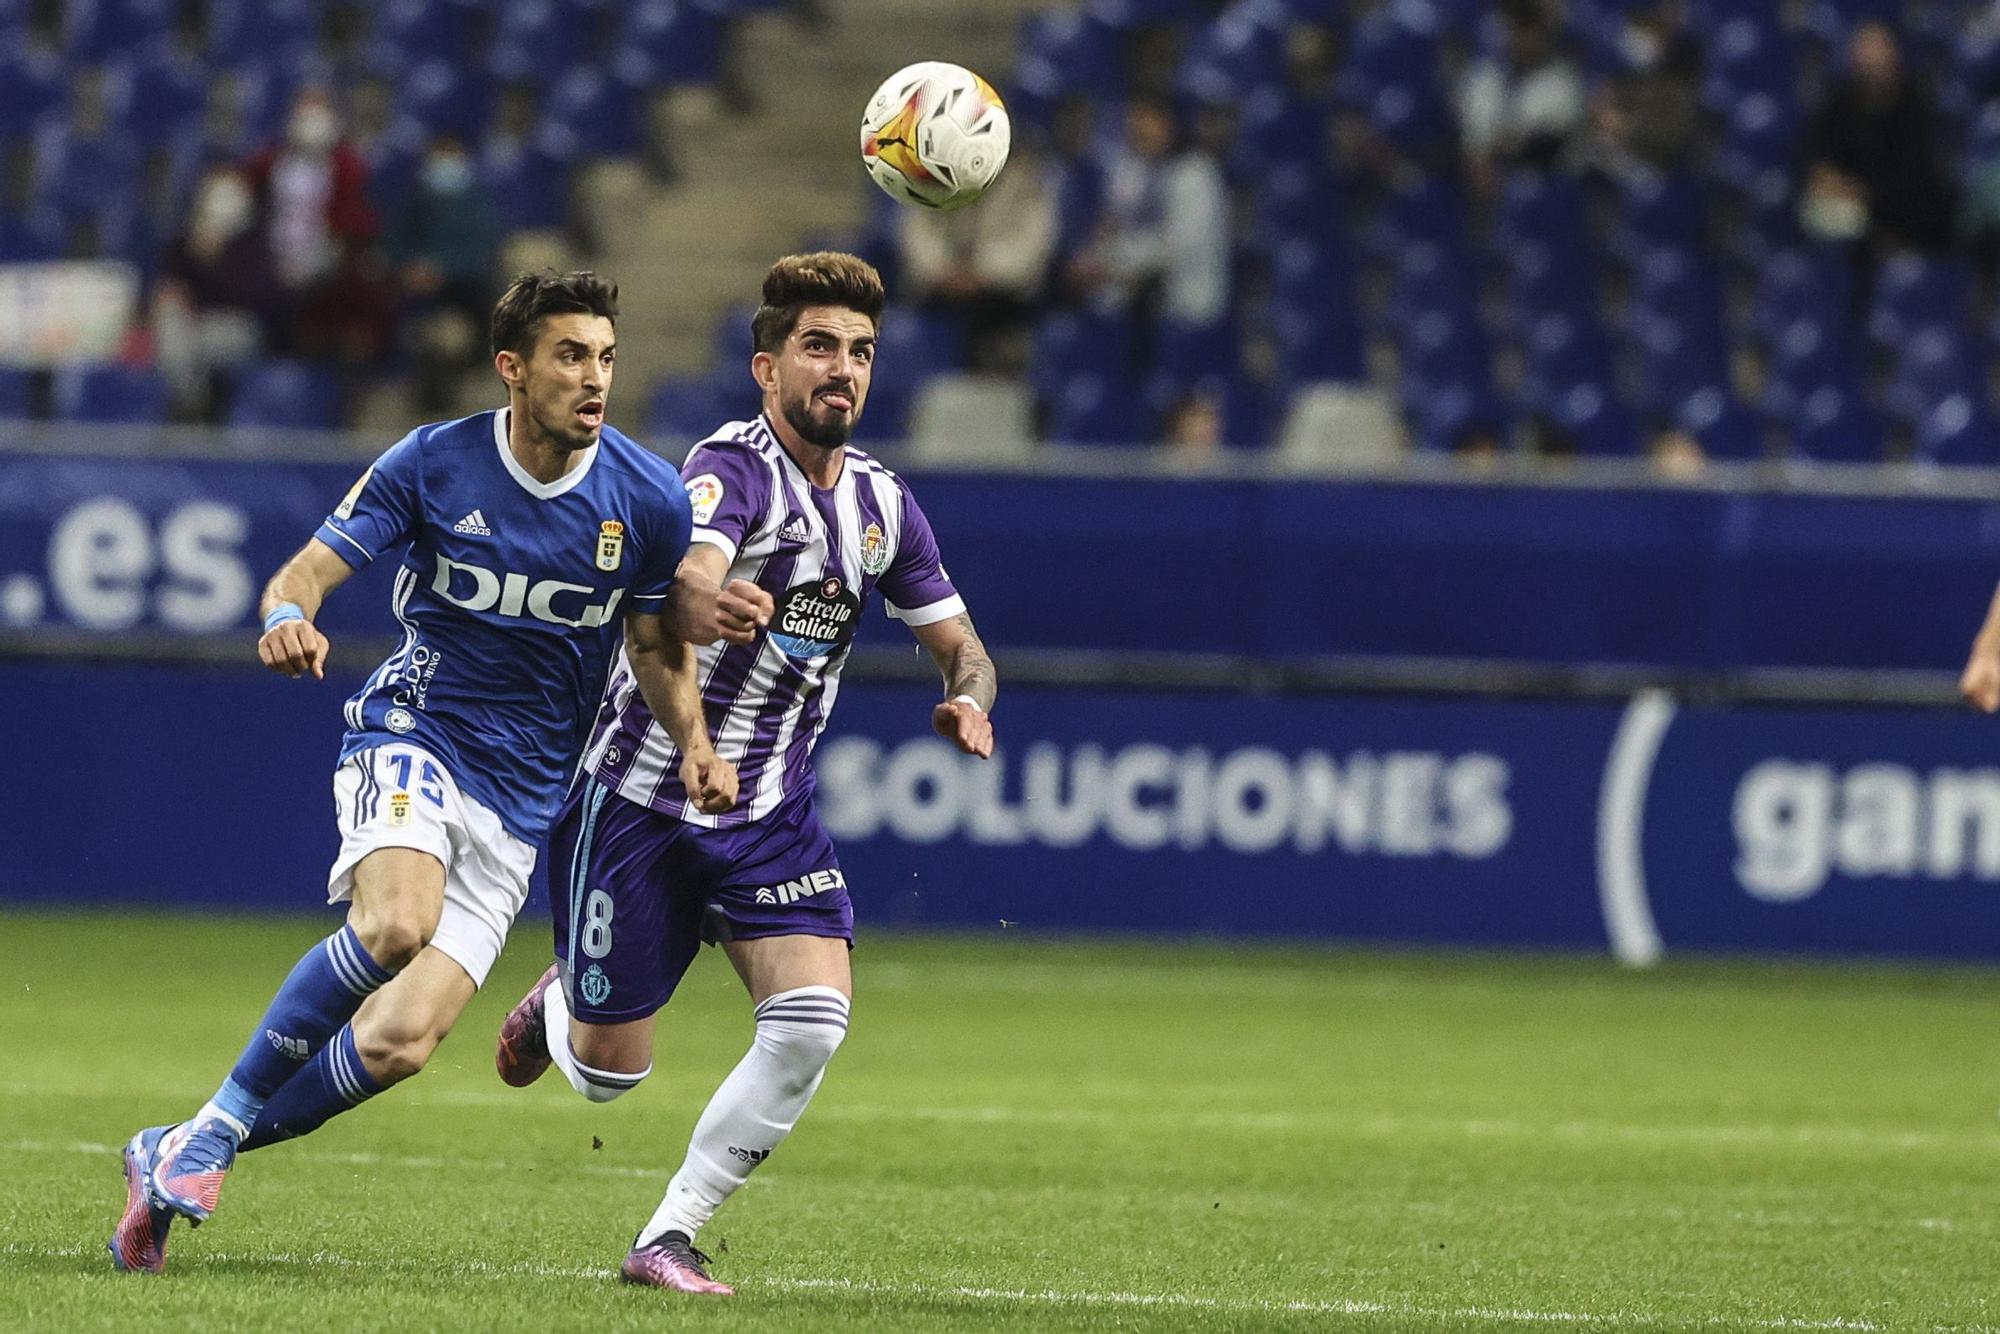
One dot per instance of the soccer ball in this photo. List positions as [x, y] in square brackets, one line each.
[935, 134]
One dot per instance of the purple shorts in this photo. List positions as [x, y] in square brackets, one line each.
[637, 892]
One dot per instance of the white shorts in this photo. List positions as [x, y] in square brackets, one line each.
[400, 796]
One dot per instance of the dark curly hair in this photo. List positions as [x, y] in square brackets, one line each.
[533, 296]
[826, 278]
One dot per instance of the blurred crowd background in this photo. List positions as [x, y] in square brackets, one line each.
[1340, 230]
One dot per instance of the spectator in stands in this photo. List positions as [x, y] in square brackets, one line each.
[985, 265]
[313, 194]
[348, 320]
[216, 296]
[1077, 180]
[1523, 109]
[1872, 168]
[1649, 116]
[445, 245]
[1163, 250]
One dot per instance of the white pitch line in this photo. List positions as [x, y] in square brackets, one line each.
[1331, 1121]
[1039, 1297]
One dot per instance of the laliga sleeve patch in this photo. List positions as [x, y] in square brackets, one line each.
[345, 510]
[704, 494]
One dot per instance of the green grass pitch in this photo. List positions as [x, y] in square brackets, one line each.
[1026, 1133]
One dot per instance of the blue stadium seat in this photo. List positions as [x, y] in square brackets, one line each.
[913, 348]
[427, 29]
[1312, 316]
[110, 394]
[286, 395]
[1591, 417]
[1660, 211]
[1797, 284]
[681, 42]
[1068, 344]
[1759, 148]
[1836, 425]
[682, 410]
[1560, 352]
[1063, 52]
[1447, 414]
[596, 108]
[552, 35]
[445, 95]
[1749, 52]
[112, 28]
[1807, 355]
[1726, 428]
[1093, 408]
[530, 181]
[167, 97]
[33, 85]
[16, 394]
[1959, 431]
[1937, 363]
[270, 31]
[1298, 200]
[1913, 292]
[1125, 15]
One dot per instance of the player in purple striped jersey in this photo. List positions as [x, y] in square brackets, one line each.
[639, 874]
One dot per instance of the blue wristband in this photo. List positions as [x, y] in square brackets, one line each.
[284, 611]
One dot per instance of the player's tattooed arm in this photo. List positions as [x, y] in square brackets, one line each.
[291, 643]
[968, 674]
[664, 668]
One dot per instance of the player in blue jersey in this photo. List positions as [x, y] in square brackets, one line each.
[530, 539]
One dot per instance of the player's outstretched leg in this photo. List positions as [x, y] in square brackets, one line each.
[522, 1056]
[537, 1034]
[139, 1242]
[399, 893]
[316, 1001]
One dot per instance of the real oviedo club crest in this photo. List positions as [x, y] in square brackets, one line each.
[610, 544]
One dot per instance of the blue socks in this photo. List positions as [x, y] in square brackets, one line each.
[332, 1082]
[322, 993]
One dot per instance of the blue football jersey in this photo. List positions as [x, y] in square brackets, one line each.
[511, 595]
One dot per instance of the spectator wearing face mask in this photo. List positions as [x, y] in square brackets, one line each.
[444, 246]
[313, 192]
[216, 296]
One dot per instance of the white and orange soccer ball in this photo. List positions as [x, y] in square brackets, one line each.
[935, 134]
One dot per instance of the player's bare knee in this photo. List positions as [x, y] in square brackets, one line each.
[392, 938]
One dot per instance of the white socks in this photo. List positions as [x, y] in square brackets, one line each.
[756, 1107]
[594, 1084]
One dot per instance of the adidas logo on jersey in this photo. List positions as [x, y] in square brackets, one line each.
[473, 525]
[798, 530]
[804, 887]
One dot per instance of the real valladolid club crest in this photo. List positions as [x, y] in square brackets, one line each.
[874, 549]
[595, 985]
[610, 544]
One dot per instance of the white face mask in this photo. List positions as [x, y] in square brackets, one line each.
[448, 173]
[314, 129]
[1641, 47]
[225, 207]
[1830, 217]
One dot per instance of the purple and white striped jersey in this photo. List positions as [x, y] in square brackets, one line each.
[819, 554]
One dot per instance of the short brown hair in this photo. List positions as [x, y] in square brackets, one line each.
[533, 296]
[826, 278]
